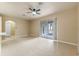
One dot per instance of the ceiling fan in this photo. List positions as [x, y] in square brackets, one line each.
[34, 11]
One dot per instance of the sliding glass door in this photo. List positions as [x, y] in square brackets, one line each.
[48, 29]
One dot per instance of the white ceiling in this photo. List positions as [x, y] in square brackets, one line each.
[17, 9]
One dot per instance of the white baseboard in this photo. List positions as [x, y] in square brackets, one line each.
[21, 36]
[25, 36]
[67, 43]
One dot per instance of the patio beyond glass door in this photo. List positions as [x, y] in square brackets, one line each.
[48, 29]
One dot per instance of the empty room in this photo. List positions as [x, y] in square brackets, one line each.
[39, 28]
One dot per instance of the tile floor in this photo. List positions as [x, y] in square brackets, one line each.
[36, 47]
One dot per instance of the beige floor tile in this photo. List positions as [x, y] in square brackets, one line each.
[36, 47]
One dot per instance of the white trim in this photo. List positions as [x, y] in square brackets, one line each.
[67, 42]
[74, 44]
[54, 40]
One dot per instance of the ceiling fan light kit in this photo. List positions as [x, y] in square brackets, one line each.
[33, 11]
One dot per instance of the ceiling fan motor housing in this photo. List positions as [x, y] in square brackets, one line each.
[34, 9]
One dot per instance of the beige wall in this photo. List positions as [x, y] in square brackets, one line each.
[78, 27]
[34, 28]
[66, 25]
[0, 32]
[0, 26]
[21, 28]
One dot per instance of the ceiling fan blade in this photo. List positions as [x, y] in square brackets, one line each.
[38, 10]
[38, 13]
[30, 9]
[28, 12]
